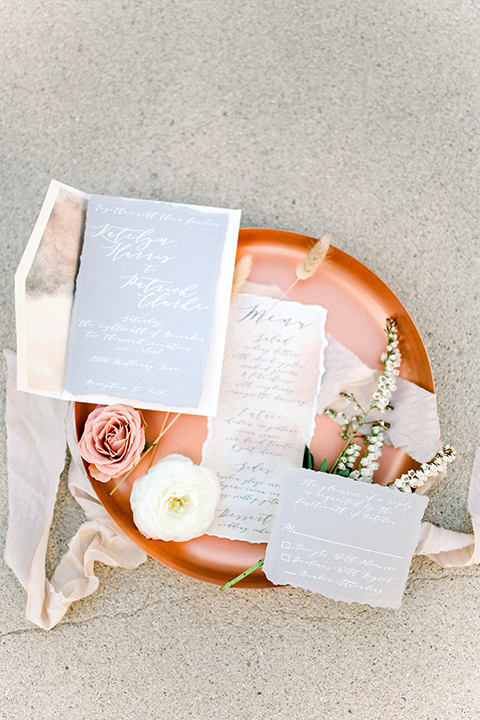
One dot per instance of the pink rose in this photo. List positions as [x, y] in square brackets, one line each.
[112, 440]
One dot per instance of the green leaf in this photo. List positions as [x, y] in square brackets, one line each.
[308, 462]
[343, 473]
[324, 466]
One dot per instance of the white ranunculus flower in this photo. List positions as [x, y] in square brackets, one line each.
[175, 500]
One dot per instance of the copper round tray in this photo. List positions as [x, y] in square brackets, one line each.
[358, 303]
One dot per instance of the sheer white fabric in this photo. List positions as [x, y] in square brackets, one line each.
[38, 429]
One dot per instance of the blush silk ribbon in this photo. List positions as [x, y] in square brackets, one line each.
[39, 430]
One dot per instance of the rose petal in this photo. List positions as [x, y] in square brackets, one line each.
[113, 439]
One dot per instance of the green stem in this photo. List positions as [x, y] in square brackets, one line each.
[352, 437]
[243, 574]
[143, 455]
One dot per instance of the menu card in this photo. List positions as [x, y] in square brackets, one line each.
[345, 539]
[266, 411]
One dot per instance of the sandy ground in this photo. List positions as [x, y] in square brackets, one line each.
[357, 119]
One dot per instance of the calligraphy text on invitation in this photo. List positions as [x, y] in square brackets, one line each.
[345, 539]
[144, 306]
[266, 410]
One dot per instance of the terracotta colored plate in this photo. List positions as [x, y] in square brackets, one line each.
[358, 303]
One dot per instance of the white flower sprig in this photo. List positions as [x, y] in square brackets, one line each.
[374, 444]
[386, 386]
[391, 359]
[347, 459]
[416, 478]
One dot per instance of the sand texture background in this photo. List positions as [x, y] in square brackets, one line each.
[356, 119]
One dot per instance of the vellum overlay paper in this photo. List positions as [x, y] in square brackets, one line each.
[345, 539]
[266, 410]
[44, 290]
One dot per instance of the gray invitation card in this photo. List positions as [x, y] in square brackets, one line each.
[145, 302]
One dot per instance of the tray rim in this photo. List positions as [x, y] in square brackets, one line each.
[257, 237]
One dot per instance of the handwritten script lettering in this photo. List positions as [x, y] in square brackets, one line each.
[344, 539]
[266, 411]
[145, 301]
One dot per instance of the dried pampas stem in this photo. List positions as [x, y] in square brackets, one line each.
[152, 456]
[151, 447]
[314, 259]
[305, 269]
[240, 275]
[127, 475]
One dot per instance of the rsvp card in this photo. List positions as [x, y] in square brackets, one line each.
[345, 539]
[151, 304]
